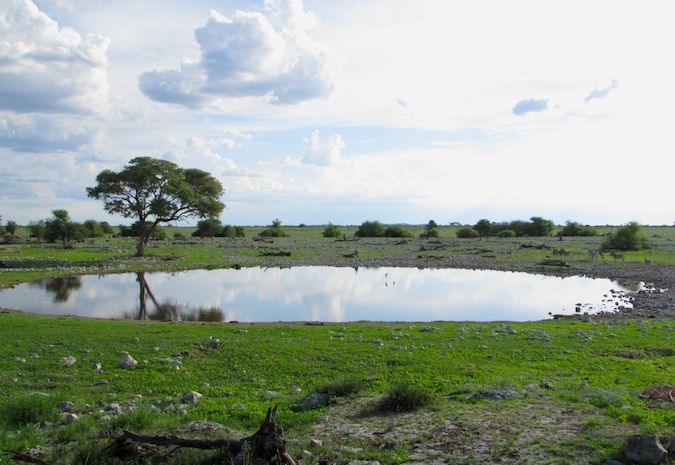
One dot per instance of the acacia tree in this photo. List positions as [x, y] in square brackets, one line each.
[157, 191]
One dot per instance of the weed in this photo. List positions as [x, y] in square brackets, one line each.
[26, 410]
[340, 388]
[404, 397]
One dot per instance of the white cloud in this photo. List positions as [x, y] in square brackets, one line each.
[247, 56]
[205, 154]
[323, 153]
[41, 133]
[45, 68]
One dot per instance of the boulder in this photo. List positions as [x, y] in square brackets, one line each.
[66, 406]
[68, 361]
[644, 450]
[127, 362]
[192, 397]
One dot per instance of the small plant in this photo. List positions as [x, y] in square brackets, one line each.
[430, 230]
[396, 231]
[628, 237]
[179, 236]
[28, 410]
[506, 233]
[340, 388]
[466, 233]
[404, 397]
[331, 231]
[370, 229]
[274, 230]
[572, 228]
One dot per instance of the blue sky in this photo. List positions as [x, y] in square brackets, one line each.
[345, 111]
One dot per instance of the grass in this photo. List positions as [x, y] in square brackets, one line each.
[589, 376]
[404, 397]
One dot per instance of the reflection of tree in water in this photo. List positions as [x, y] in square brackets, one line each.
[60, 287]
[168, 311]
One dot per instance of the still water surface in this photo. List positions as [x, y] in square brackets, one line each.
[316, 293]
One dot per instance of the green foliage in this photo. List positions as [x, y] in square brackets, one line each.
[628, 237]
[331, 231]
[404, 397]
[370, 229]
[209, 227]
[11, 228]
[572, 228]
[340, 388]
[466, 233]
[232, 231]
[506, 233]
[157, 233]
[27, 409]
[61, 227]
[536, 227]
[93, 228]
[179, 235]
[396, 231]
[274, 230]
[157, 191]
[37, 229]
[483, 227]
[107, 229]
[430, 230]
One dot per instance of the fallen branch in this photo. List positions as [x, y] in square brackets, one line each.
[25, 457]
[266, 444]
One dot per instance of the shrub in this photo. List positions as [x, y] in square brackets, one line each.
[158, 233]
[628, 237]
[179, 235]
[396, 231]
[232, 231]
[572, 228]
[331, 231]
[209, 227]
[11, 228]
[506, 233]
[466, 233]
[404, 397]
[370, 229]
[37, 229]
[430, 230]
[274, 230]
[28, 410]
[339, 388]
[93, 228]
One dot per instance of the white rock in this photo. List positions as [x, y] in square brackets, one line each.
[68, 361]
[70, 417]
[192, 397]
[270, 395]
[315, 442]
[20, 360]
[114, 408]
[127, 362]
[97, 367]
[66, 406]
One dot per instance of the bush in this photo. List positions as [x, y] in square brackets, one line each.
[274, 230]
[506, 233]
[466, 233]
[339, 388]
[93, 228]
[430, 230]
[37, 230]
[396, 231]
[572, 228]
[370, 229]
[179, 235]
[158, 233]
[404, 397]
[628, 237]
[331, 231]
[232, 231]
[209, 227]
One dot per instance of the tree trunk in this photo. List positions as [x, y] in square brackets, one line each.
[142, 310]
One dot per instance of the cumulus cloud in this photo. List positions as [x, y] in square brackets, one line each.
[40, 133]
[45, 68]
[323, 153]
[205, 154]
[530, 105]
[250, 54]
[602, 92]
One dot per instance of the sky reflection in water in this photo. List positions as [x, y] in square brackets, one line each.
[314, 294]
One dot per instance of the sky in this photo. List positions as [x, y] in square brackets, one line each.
[317, 111]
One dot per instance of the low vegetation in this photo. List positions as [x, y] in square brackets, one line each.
[274, 230]
[332, 231]
[572, 228]
[404, 397]
[628, 237]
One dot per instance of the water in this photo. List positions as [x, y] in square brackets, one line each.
[317, 294]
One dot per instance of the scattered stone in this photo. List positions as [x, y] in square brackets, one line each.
[315, 442]
[70, 417]
[102, 381]
[644, 450]
[66, 406]
[496, 395]
[114, 408]
[37, 450]
[356, 450]
[127, 362]
[312, 401]
[363, 462]
[192, 397]
[270, 395]
[20, 360]
[612, 462]
[295, 389]
[68, 361]
[201, 426]
[97, 367]
[546, 385]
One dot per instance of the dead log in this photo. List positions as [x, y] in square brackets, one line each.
[272, 253]
[267, 445]
[20, 457]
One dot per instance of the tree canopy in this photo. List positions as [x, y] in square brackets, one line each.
[157, 191]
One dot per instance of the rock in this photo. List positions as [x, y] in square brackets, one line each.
[312, 401]
[70, 417]
[66, 406]
[97, 367]
[200, 426]
[102, 381]
[68, 361]
[644, 450]
[295, 389]
[546, 385]
[496, 395]
[127, 362]
[114, 408]
[364, 462]
[270, 395]
[192, 397]
[315, 442]
[355, 450]
[20, 360]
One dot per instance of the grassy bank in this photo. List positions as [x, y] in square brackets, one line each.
[26, 261]
[580, 382]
